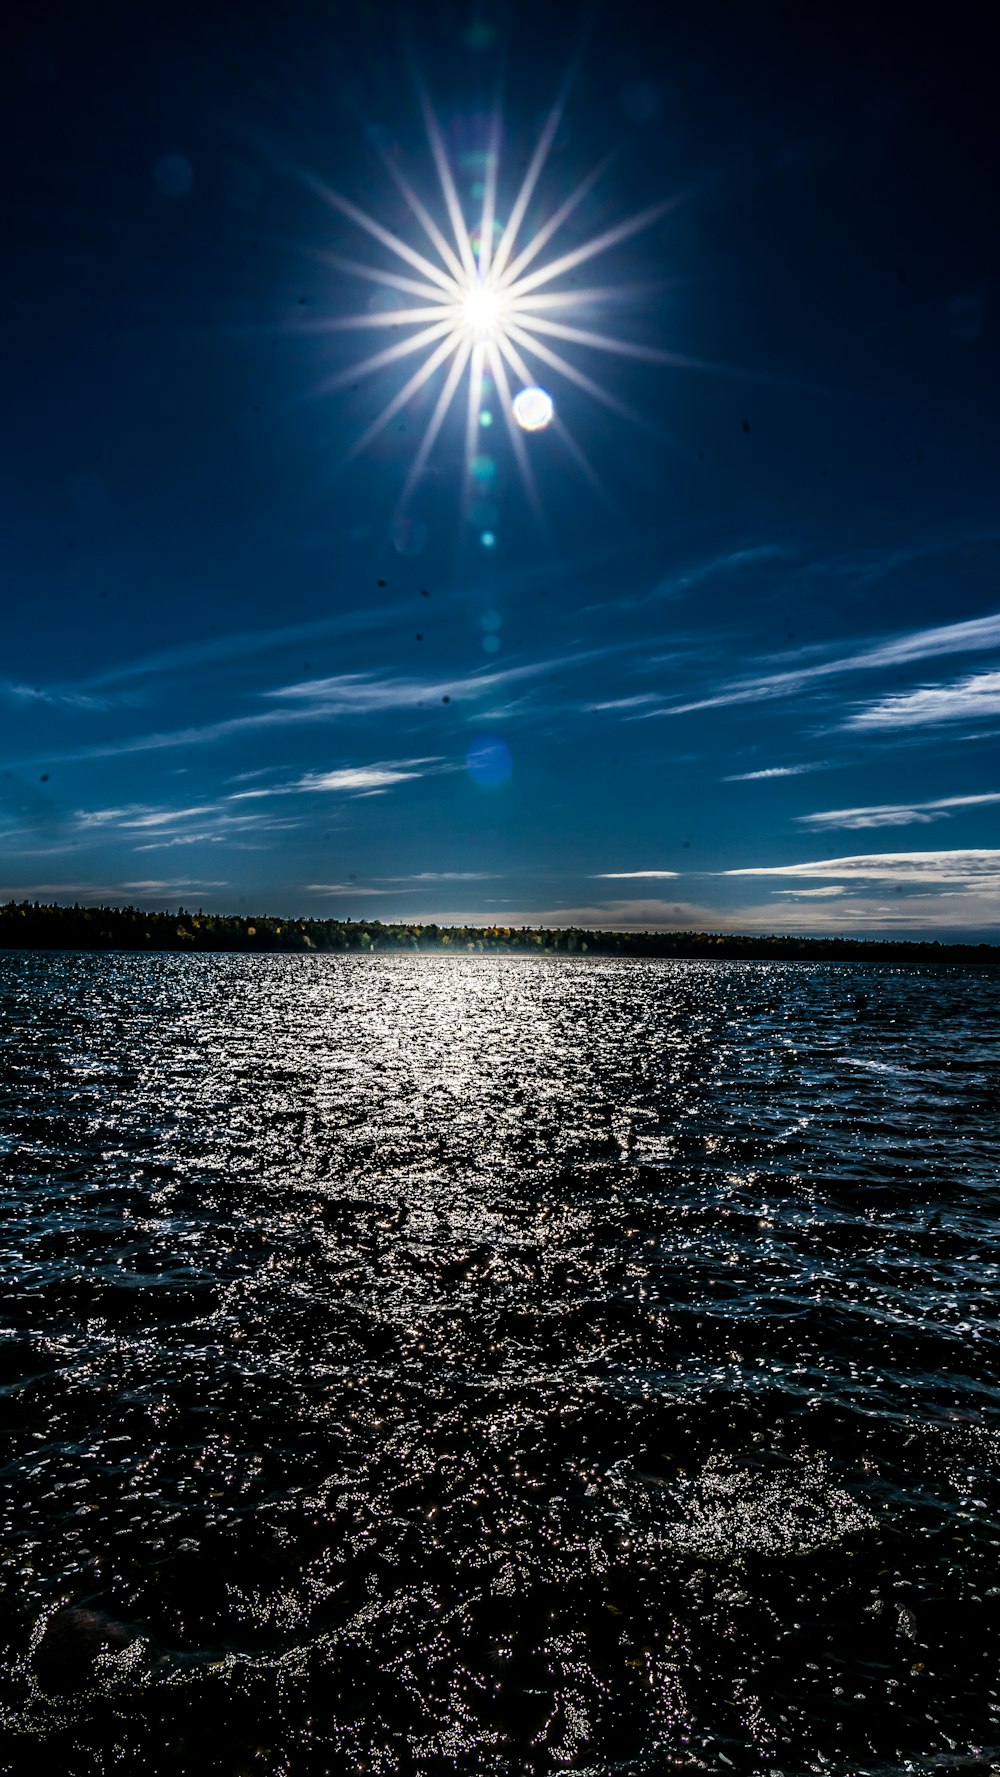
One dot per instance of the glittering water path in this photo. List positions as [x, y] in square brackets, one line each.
[490, 1364]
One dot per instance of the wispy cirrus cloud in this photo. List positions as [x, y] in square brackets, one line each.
[975, 635]
[749, 777]
[631, 875]
[186, 657]
[674, 585]
[976, 865]
[965, 700]
[163, 828]
[343, 888]
[349, 780]
[848, 910]
[443, 876]
[163, 885]
[108, 893]
[813, 894]
[56, 696]
[137, 816]
[347, 695]
[636, 702]
[893, 814]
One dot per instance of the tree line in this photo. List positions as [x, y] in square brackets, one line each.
[30, 925]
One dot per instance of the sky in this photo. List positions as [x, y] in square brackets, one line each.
[298, 618]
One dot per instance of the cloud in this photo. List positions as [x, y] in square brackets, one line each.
[813, 893]
[138, 815]
[975, 866]
[90, 890]
[54, 696]
[207, 652]
[346, 694]
[674, 585]
[349, 779]
[893, 814]
[802, 913]
[161, 829]
[366, 693]
[732, 561]
[343, 888]
[965, 700]
[640, 699]
[443, 876]
[748, 777]
[627, 875]
[163, 884]
[109, 893]
[951, 638]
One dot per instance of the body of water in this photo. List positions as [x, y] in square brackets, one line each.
[499, 1365]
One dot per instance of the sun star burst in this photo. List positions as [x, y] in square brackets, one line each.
[488, 303]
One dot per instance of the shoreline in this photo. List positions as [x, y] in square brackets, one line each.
[29, 925]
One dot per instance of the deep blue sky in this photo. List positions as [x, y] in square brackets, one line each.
[742, 673]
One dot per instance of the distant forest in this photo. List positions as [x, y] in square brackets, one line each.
[29, 926]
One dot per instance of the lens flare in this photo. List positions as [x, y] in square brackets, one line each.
[477, 302]
[488, 761]
[533, 409]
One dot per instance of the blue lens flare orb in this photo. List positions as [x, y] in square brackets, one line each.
[533, 409]
[488, 761]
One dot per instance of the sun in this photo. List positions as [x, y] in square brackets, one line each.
[482, 300]
[482, 309]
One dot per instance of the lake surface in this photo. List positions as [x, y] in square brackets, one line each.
[499, 1365]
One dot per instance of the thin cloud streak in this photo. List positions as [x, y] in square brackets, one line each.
[206, 653]
[966, 700]
[348, 694]
[891, 814]
[841, 915]
[749, 777]
[444, 876]
[343, 888]
[974, 865]
[349, 779]
[952, 638]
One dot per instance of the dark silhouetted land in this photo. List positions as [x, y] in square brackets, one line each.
[27, 925]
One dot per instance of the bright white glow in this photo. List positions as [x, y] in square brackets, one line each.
[470, 307]
[482, 311]
[533, 409]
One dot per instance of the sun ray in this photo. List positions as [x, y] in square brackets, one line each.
[435, 422]
[531, 178]
[416, 382]
[543, 235]
[392, 354]
[593, 293]
[600, 244]
[382, 318]
[582, 461]
[385, 235]
[556, 361]
[425, 220]
[516, 437]
[489, 210]
[375, 275]
[448, 186]
[602, 342]
[521, 369]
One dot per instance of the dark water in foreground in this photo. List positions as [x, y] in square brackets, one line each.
[498, 1365]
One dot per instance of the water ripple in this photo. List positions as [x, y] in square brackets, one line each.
[499, 1364]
